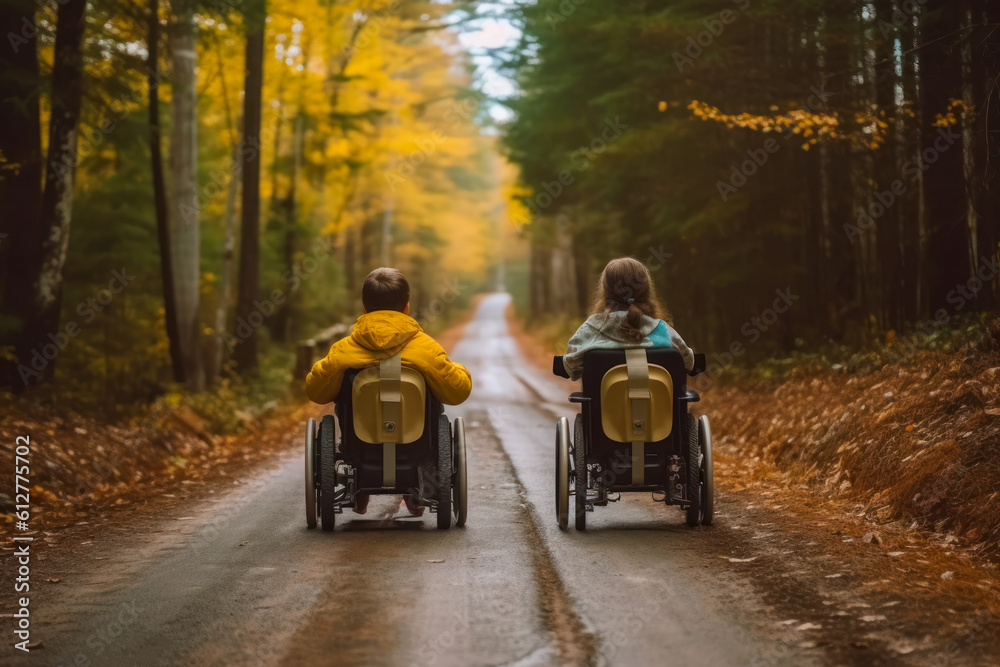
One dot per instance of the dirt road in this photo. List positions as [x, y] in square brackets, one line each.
[238, 579]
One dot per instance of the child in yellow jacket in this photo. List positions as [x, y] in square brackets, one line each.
[385, 329]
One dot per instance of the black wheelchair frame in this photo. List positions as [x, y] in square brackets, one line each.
[592, 467]
[338, 469]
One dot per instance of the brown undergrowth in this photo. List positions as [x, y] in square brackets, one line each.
[918, 443]
[79, 466]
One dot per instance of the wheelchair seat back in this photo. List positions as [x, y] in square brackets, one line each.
[617, 441]
[388, 403]
[388, 424]
[637, 400]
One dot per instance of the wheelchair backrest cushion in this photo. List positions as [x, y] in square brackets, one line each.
[597, 363]
[617, 420]
[370, 425]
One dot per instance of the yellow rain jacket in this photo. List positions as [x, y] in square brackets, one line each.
[379, 335]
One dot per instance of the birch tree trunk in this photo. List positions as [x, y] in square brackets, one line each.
[218, 355]
[186, 219]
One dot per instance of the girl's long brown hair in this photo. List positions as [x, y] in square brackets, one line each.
[622, 280]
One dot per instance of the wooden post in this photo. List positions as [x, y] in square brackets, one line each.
[304, 358]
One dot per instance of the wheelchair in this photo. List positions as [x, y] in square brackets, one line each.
[394, 439]
[634, 433]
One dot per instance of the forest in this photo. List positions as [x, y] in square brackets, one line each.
[187, 189]
[844, 152]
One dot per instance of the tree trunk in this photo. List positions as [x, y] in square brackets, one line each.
[21, 189]
[45, 277]
[218, 355]
[283, 329]
[249, 279]
[944, 187]
[968, 154]
[986, 73]
[186, 218]
[160, 194]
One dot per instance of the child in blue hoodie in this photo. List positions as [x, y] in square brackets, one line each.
[626, 313]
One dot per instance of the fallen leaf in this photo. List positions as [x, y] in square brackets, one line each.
[895, 554]
[742, 560]
[436, 560]
[809, 626]
[184, 518]
[871, 618]
[244, 543]
[870, 538]
[834, 576]
[948, 575]
[53, 581]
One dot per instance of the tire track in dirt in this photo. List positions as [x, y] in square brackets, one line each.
[573, 643]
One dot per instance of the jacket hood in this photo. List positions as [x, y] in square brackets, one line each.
[387, 330]
[610, 325]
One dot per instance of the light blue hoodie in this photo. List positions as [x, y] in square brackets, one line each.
[604, 332]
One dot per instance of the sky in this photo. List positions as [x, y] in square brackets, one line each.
[491, 31]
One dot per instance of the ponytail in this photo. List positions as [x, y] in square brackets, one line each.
[633, 321]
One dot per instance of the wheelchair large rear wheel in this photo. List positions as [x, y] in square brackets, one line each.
[562, 472]
[692, 467]
[310, 456]
[461, 474]
[707, 484]
[327, 472]
[445, 454]
[580, 452]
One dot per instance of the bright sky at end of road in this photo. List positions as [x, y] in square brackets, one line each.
[489, 31]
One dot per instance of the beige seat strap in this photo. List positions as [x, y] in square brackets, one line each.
[390, 372]
[639, 398]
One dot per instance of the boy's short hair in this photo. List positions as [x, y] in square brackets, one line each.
[385, 289]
